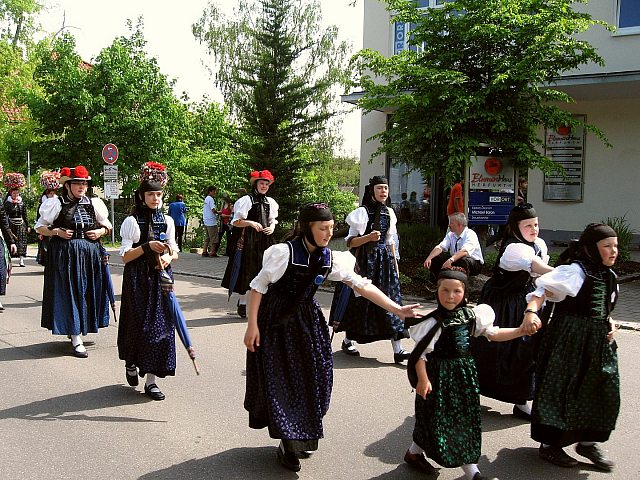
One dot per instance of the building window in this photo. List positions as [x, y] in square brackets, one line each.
[628, 18]
[402, 30]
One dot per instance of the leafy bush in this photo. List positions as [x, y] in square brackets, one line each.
[625, 235]
[417, 239]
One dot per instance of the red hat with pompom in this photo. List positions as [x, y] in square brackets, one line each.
[74, 173]
[261, 175]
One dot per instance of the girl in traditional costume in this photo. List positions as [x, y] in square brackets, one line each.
[289, 358]
[441, 369]
[17, 213]
[372, 228]
[506, 370]
[577, 395]
[74, 298]
[7, 248]
[146, 335]
[254, 220]
[50, 181]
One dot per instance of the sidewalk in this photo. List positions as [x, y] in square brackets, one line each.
[627, 312]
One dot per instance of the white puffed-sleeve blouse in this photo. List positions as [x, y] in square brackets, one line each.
[130, 233]
[484, 326]
[276, 260]
[359, 218]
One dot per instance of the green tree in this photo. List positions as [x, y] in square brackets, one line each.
[477, 72]
[277, 71]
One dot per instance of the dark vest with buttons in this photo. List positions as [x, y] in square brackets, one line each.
[151, 226]
[76, 216]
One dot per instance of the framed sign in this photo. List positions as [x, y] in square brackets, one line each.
[491, 190]
[565, 146]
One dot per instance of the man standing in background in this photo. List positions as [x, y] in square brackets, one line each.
[210, 221]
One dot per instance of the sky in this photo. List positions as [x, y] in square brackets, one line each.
[167, 30]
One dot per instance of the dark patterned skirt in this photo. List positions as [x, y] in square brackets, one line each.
[5, 266]
[146, 331]
[74, 298]
[448, 424]
[578, 386]
[19, 229]
[505, 369]
[362, 320]
[245, 260]
[290, 376]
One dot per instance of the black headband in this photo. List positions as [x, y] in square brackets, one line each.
[596, 232]
[455, 273]
[378, 180]
[522, 212]
[315, 212]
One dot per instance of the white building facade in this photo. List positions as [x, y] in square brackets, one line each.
[606, 180]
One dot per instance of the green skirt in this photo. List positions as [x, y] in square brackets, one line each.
[577, 383]
[448, 424]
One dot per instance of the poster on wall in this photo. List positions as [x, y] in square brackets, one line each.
[491, 190]
[565, 146]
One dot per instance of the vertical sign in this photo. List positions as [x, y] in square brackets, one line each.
[491, 190]
[565, 146]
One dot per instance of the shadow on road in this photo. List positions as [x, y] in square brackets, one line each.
[65, 406]
[236, 463]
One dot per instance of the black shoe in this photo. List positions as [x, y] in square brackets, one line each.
[596, 455]
[350, 349]
[557, 456]
[242, 311]
[289, 460]
[401, 356]
[521, 414]
[420, 462]
[479, 476]
[132, 376]
[205, 254]
[77, 352]
[153, 391]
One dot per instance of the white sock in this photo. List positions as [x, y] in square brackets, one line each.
[415, 449]
[346, 340]
[470, 470]
[397, 346]
[76, 341]
[243, 299]
[151, 378]
[526, 407]
[1, 306]
[21, 261]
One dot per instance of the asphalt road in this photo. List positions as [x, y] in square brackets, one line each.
[68, 418]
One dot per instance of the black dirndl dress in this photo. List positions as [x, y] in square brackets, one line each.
[290, 376]
[74, 298]
[18, 222]
[146, 332]
[247, 247]
[448, 423]
[506, 369]
[362, 320]
[577, 395]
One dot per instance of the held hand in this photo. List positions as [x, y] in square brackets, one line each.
[165, 260]
[409, 311]
[94, 234]
[256, 226]
[374, 236]
[531, 323]
[268, 230]
[252, 338]
[613, 328]
[423, 388]
[427, 263]
[157, 246]
[62, 233]
[13, 249]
